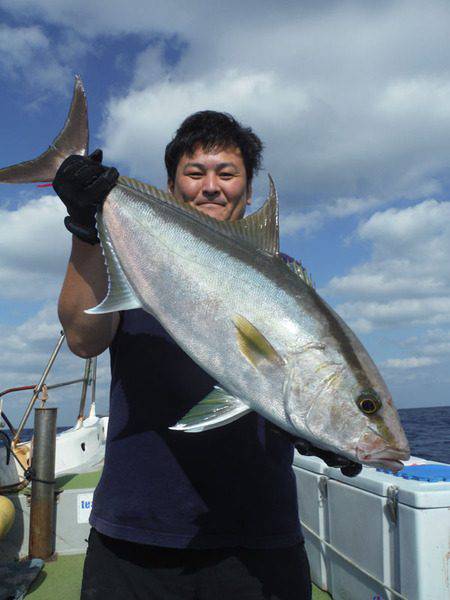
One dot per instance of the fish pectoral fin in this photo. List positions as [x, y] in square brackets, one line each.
[253, 345]
[218, 408]
[120, 294]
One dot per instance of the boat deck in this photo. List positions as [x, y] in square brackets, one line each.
[62, 579]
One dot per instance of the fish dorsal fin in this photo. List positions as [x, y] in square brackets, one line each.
[260, 229]
[262, 226]
[72, 139]
[296, 267]
[217, 409]
[120, 295]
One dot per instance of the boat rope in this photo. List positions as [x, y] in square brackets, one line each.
[351, 562]
[28, 476]
[14, 487]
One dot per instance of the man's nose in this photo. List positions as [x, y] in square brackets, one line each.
[211, 185]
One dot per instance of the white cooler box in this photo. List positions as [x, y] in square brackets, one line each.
[377, 526]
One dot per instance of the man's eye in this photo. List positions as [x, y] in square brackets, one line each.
[195, 174]
[226, 175]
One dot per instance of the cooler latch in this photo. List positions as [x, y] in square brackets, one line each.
[323, 489]
[392, 503]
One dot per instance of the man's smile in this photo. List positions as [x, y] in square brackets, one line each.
[213, 202]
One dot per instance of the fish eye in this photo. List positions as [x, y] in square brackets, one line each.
[368, 402]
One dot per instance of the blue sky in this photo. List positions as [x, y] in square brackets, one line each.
[352, 102]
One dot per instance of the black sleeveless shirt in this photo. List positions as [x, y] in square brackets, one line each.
[232, 486]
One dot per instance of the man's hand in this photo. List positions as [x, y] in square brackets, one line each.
[83, 183]
[347, 466]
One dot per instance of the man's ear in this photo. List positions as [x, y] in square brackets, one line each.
[170, 185]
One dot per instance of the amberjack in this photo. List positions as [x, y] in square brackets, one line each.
[249, 319]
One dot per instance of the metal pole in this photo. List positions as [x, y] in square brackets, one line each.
[43, 484]
[63, 383]
[92, 411]
[38, 388]
[87, 371]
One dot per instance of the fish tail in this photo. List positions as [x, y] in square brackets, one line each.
[72, 139]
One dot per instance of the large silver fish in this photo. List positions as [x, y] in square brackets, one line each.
[254, 324]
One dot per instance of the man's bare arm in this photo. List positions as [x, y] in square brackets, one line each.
[83, 183]
[85, 286]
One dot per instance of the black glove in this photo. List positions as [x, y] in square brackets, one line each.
[83, 183]
[347, 466]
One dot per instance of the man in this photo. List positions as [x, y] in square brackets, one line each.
[210, 515]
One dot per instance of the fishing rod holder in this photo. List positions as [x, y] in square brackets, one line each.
[42, 509]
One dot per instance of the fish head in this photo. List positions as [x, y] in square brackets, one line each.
[334, 409]
[383, 442]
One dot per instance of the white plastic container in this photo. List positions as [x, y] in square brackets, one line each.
[312, 481]
[396, 530]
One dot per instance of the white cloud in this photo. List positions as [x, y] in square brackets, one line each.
[367, 316]
[413, 362]
[351, 99]
[403, 286]
[306, 222]
[409, 256]
[422, 95]
[437, 349]
[137, 126]
[144, 16]
[24, 353]
[293, 221]
[28, 54]
[323, 91]
[18, 45]
[433, 342]
[410, 228]
[34, 249]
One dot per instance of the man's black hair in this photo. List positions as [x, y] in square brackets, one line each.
[213, 130]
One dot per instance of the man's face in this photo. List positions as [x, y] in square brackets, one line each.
[213, 182]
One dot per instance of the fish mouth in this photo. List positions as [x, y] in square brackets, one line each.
[390, 459]
[391, 465]
[386, 458]
[372, 450]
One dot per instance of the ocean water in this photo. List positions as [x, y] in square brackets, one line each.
[27, 434]
[427, 429]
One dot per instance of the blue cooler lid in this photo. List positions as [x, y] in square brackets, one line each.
[427, 472]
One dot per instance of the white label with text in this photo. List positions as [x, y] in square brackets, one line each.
[84, 506]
